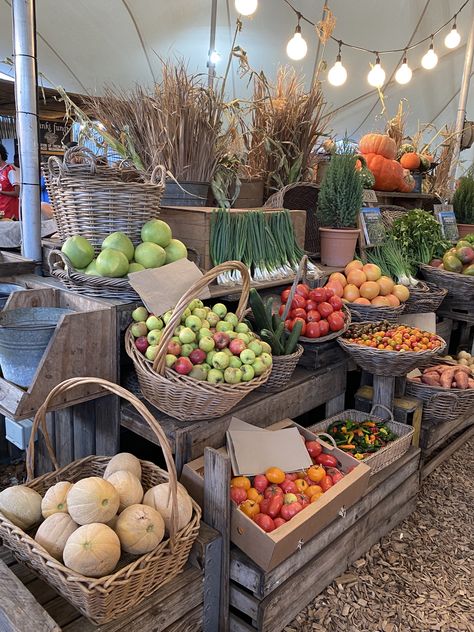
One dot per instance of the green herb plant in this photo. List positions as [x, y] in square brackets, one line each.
[419, 237]
[463, 200]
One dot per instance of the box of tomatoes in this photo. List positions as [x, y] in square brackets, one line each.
[276, 519]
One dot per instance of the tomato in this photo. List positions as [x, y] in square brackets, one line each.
[329, 291]
[302, 290]
[289, 498]
[310, 305]
[313, 330]
[327, 460]
[301, 485]
[316, 473]
[323, 327]
[325, 309]
[264, 522]
[303, 330]
[264, 505]
[254, 495]
[260, 482]
[273, 490]
[250, 508]
[314, 449]
[336, 302]
[292, 476]
[289, 487]
[303, 500]
[316, 497]
[282, 309]
[309, 481]
[238, 494]
[313, 316]
[275, 475]
[274, 506]
[288, 511]
[288, 324]
[279, 521]
[241, 481]
[335, 474]
[285, 294]
[318, 295]
[326, 483]
[301, 474]
[336, 321]
[313, 489]
[299, 312]
[298, 301]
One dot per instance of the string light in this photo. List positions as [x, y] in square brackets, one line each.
[215, 57]
[337, 75]
[453, 38]
[246, 7]
[404, 73]
[376, 76]
[297, 48]
[430, 59]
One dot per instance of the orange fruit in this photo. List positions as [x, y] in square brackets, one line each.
[386, 285]
[351, 292]
[393, 300]
[316, 473]
[372, 271]
[275, 475]
[338, 276]
[361, 301]
[315, 497]
[356, 277]
[301, 485]
[401, 292]
[380, 301]
[242, 481]
[313, 489]
[337, 287]
[253, 494]
[369, 289]
[358, 265]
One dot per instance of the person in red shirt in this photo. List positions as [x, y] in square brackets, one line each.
[9, 187]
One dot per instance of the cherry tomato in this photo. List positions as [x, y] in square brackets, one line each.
[273, 490]
[299, 312]
[238, 494]
[313, 489]
[313, 316]
[302, 290]
[323, 327]
[285, 294]
[316, 473]
[250, 508]
[314, 449]
[288, 511]
[301, 485]
[326, 483]
[313, 330]
[241, 481]
[318, 295]
[279, 521]
[253, 494]
[264, 522]
[275, 475]
[336, 302]
[327, 460]
[298, 301]
[289, 487]
[310, 305]
[260, 482]
[325, 309]
[336, 321]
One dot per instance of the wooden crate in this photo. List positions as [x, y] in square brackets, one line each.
[192, 224]
[269, 601]
[14, 263]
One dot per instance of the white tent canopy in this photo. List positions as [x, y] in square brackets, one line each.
[83, 44]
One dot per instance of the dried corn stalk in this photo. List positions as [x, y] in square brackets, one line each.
[326, 26]
[395, 127]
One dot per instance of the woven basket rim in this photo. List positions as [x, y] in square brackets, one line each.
[394, 354]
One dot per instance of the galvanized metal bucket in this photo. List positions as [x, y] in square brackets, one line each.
[24, 335]
[185, 194]
[6, 289]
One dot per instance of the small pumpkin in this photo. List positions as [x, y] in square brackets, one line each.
[93, 550]
[406, 148]
[124, 461]
[129, 488]
[159, 497]
[54, 532]
[93, 499]
[410, 161]
[21, 505]
[140, 529]
[380, 144]
[425, 163]
[54, 500]
[366, 175]
[407, 183]
[387, 173]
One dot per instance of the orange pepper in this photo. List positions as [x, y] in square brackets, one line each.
[253, 494]
[275, 475]
[313, 489]
[316, 473]
[250, 508]
[301, 485]
[241, 481]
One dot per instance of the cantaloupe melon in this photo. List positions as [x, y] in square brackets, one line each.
[92, 550]
[129, 488]
[54, 500]
[159, 497]
[93, 499]
[140, 529]
[124, 461]
[54, 532]
[21, 505]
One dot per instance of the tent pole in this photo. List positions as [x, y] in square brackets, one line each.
[212, 44]
[463, 94]
[24, 46]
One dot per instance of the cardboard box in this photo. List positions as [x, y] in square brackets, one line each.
[270, 549]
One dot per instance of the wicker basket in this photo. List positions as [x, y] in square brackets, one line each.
[426, 297]
[181, 396]
[459, 286]
[109, 597]
[100, 202]
[389, 363]
[364, 313]
[282, 369]
[385, 456]
[441, 404]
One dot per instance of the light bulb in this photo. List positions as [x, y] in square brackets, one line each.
[297, 48]
[214, 57]
[376, 76]
[453, 38]
[337, 75]
[404, 73]
[246, 7]
[429, 60]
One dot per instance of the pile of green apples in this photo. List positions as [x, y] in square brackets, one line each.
[209, 345]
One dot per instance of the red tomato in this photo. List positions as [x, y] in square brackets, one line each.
[288, 511]
[260, 482]
[325, 483]
[318, 295]
[329, 291]
[303, 499]
[292, 476]
[336, 302]
[298, 301]
[299, 312]
[336, 321]
[323, 327]
[335, 474]
[284, 295]
[264, 522]
[314, 448]
[313, 316]
[310, 305]
[325, 309]
[273, 490]
[303, 331]
[289, 487]
[264, 505]
[282, 309]
[327, 460]
[238, 494]
[302, 290]
[288, 324]
[312, 330]
[278, 522]
[274, 506]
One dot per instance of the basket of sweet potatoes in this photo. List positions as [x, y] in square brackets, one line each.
[447, 391]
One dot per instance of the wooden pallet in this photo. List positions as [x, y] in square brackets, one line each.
[269, 601]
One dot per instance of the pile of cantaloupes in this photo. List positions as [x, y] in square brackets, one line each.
[364, 284]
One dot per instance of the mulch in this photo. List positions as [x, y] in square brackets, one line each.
[420, 577]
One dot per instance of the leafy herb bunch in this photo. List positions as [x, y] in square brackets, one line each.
[463, 200]
[419, 237]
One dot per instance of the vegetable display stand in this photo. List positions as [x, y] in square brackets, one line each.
[105, 598]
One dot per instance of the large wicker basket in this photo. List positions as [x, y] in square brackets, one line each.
[426, 297]
[363, 313]
[96, 203]
[181, 396]
[385, 456]
[459, 286]
[283, 368]
[105, 598]
[441, 404]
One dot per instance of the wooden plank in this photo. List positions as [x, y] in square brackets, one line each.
[43, 462]
[216, 513]
[64, 436]
[434, 435]
[14, 263]
[450, 449]
[84, 429]
[237, 625]
[191, 622]
[335, 405]
[384, 390]
[107, 425]
[243, 601]
[385, 483]
[19, 610]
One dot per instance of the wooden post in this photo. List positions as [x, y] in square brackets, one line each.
[384, 390]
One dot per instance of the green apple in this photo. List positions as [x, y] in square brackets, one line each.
[185, 314]
[154, 336]
[167, 316]
[198, 372]
[207, 344]
[244, 337]
[256, 347]
[205, 324]
[199, 312]
[176, 339]
[204, 332]
[178, 330]
[220, 360]
[207, 366]
[232, 376]
[235, 362]
[247, 356]
[186, 335]
[195, 303]
[153, 322]
[247, 372]
[139, 329]
[194, 345]
[170, 360]
[212, 319]
[223, 325]
[215, 376]
[231, 318]
[186, 350]
[151, 352]
[265, 347]
[139, 314]
[193, 322]
[242, 328]
[220, 309]
[232, 334]
[259, 367]
[209, 356]
[267, 360]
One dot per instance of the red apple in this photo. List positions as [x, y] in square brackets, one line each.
[198, 356]
[183, 366]
[142, 344]
[221, 339]
[174, 348]
[237, 346]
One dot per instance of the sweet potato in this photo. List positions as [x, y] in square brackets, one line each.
[417, 379]
[462, 381]
[470, 382]
[464, 369]
[432, 379]
[447, 377]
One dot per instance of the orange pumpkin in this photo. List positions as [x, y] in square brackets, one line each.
[388, 173]
[380, 144]
[407, 183]
[410, 161]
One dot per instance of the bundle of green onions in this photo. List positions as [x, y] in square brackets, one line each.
[393, 262]
[264, 241]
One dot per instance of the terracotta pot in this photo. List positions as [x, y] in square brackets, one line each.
[465, 229]
[338, 245]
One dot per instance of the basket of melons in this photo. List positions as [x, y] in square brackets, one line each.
[105, 532]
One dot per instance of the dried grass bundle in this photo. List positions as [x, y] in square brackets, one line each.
[395, 127]
[441, 183]
[326, 26]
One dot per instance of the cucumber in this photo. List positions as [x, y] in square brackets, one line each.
[268, 303]
[293, 338]
[269, 336]
[259, 312]
[276, 321]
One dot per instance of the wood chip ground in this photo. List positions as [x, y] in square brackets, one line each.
[419, 578]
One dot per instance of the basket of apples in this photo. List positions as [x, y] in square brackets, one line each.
[195, 362]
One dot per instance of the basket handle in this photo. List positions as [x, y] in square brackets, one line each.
[68, 385]
[159, 364]
[327, 436]
[54, 167]
[447, 395]
[300, 275]
[85, 155]
[387, 410]
[158, 176]
[54, 259]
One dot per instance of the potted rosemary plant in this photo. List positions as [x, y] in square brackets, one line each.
[463, 204]
[339, 203]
